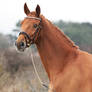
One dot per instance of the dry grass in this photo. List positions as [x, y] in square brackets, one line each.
[17, 73]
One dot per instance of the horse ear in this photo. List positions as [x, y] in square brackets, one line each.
[26, 10]
[38, 10]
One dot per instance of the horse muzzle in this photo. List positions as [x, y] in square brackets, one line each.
[21, 46]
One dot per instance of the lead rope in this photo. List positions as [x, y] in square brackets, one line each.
[42, 84]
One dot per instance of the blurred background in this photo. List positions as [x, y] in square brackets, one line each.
[74, 17]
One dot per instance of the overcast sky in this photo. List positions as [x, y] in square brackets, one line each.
[68, 10]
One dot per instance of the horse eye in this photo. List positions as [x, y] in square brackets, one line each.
[35, 25]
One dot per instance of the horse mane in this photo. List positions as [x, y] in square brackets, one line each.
[61, 33]
[68, 40]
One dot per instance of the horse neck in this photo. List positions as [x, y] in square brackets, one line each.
[54, 48]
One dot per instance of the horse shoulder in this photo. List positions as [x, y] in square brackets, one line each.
[77, 76]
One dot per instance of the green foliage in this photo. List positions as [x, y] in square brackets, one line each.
[80, 33]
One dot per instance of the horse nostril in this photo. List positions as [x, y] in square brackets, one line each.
[21, 43]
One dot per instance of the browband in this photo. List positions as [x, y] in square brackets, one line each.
[29, 17]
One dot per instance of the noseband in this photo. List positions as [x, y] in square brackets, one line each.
[31, 39]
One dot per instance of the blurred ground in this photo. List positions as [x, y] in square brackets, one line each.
[17, 72]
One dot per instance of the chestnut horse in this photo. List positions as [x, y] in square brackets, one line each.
[69, 69]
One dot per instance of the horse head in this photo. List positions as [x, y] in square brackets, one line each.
[31, 27]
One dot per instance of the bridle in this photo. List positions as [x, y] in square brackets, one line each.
[31, 39]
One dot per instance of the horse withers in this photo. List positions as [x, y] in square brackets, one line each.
[69, 69]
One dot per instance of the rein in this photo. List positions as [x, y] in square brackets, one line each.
[31, 39]
[35, 69]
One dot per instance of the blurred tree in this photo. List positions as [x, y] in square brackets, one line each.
[4, 42]
[18, 24]
[80, 33]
